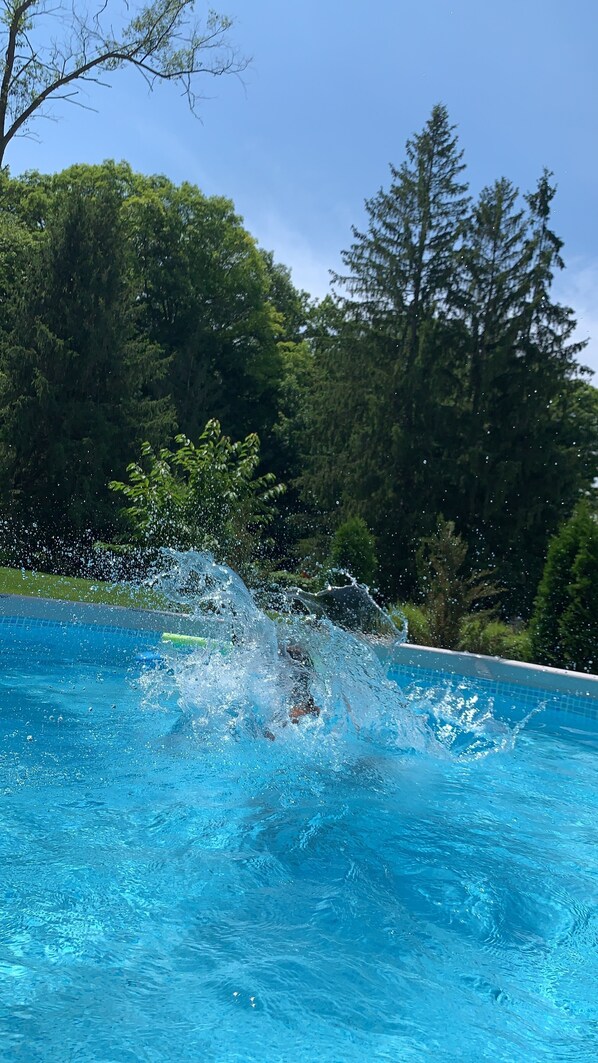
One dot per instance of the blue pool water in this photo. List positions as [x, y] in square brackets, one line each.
[403, 883]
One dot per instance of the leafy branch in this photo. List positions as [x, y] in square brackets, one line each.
[163, 40]
[202, 496]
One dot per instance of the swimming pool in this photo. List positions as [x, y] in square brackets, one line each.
[175, 887]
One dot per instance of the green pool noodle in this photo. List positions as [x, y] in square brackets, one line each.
[195, 640]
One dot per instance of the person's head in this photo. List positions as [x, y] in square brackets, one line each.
[297, 653]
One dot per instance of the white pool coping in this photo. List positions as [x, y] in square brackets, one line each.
[497, 669]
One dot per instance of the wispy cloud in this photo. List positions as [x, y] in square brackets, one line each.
[310, 268]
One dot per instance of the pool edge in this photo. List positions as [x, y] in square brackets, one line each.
[497, 669]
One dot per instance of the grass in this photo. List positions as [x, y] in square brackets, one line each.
[73, 589]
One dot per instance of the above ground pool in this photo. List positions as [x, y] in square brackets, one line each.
[186, 875]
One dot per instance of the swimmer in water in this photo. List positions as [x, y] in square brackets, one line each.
[302, 702]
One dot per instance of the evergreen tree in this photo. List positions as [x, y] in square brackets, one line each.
[579, 623]
[76, 372]
[388, 376]
[495, 285]
[564, 627]
[405, 263]
[154, 299]
[520, 463]
[447, 380]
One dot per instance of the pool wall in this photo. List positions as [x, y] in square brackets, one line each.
[568, 692]
[562, 694]
[111, 617]
[496, 669]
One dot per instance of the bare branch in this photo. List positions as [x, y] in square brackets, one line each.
[162, 39]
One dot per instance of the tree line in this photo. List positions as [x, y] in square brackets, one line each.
[440, 380]
[132, 309]
[448, 379]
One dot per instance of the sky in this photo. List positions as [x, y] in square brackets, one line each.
[334, 89]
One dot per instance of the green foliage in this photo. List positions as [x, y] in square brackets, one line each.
[564, 628]
[130, 309]
[207, 295]
[579, 625]
[203, 496]
[493, 638]
[17, 244]
[289, 580]
[446, 377]
[374, 437]
[77, 376]
[354, 550]
[418, 627]
[442, 379]
[477, 634]
[449, 594]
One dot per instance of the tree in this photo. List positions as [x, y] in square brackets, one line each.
[387, 383]
[130, 309]
[525, 452]
[203, 496]
[496, 260]
[405, 263]
[76, 373]
[17, 244]
[163, 40]
[354, 549]
[449, 594]
[446, 380]
[204, 291]
[579, 623]
[564, 627]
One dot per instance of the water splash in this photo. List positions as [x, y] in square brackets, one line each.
[298, 670]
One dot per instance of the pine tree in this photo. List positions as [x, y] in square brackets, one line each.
[447, 379]
[388, 380]
[524, 473]
[404, 264]
[564, 627]
[76, 372]
[495, 285]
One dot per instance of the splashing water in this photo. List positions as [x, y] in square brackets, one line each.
[261, 664]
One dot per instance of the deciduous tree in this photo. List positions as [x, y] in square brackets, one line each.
[203, 496]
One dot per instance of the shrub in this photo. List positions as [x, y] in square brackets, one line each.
[449, 595]
[564, 626]
[418, 627]
[202, 496]
[579, 623]
[494, 638]
[289, 580]
[354, 549]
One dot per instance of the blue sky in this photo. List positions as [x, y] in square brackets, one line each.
[334, 89]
